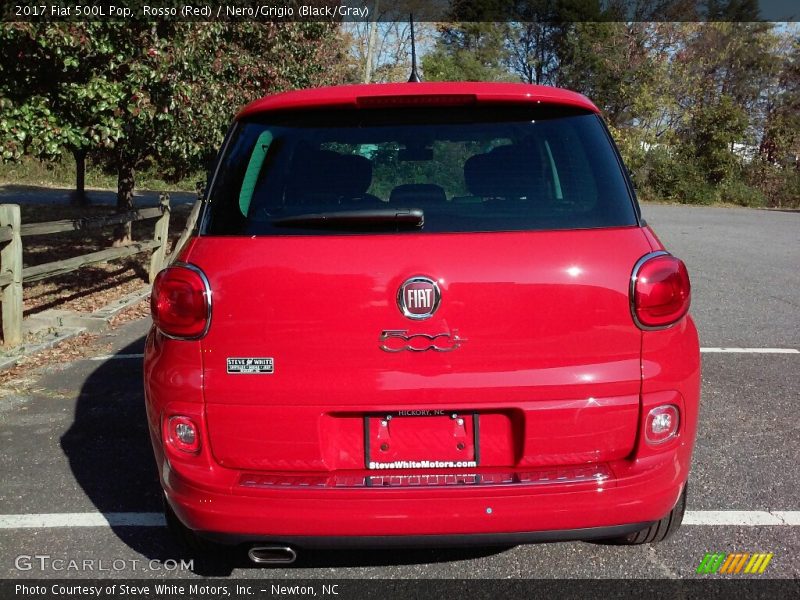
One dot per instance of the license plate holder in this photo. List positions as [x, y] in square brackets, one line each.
[421, 440]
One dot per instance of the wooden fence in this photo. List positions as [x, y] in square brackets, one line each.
[13, 275]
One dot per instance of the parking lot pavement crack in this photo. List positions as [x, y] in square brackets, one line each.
[786, 300]
[654, 559]
[787, 517]
[778, 516]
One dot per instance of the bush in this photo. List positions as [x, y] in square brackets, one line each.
[737, 191]
[792, 198]
[666, 176]
[779, 185]
[692, 189]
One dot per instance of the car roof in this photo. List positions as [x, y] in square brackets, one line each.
[402, 94]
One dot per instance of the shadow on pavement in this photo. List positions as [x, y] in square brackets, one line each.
[33, 194]
[109, 452]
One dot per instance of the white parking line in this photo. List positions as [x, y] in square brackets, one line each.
[753, 350]
[736, 518]
[88, 519]
[746, 518]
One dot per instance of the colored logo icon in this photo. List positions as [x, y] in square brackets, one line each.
[736, 563]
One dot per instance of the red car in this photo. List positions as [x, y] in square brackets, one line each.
[421, 314]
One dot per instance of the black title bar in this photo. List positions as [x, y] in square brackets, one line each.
[398, 10]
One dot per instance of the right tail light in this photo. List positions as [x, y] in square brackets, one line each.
[181, 302]
[660, 291]
[662, 424]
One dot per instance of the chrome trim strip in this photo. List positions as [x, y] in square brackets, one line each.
[597, 474]
[207, 295]
[632, 290]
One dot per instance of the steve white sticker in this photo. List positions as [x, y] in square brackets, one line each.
[250, 366]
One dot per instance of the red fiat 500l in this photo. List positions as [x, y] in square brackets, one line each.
[421, 314]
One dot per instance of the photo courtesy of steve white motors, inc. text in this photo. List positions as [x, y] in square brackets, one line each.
[193, 590]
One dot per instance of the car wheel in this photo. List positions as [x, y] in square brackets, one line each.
[658, 531]
[185, 536]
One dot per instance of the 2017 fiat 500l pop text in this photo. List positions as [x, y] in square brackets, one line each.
[421, 314]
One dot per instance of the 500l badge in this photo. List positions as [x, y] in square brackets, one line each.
[393, 340]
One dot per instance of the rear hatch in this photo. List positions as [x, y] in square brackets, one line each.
[321, 356]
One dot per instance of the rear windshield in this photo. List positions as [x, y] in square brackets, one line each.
[324, 172]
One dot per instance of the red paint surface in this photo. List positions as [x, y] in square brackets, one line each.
[551, 361]
[346, 96]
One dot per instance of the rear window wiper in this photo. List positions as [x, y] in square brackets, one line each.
[367, 219]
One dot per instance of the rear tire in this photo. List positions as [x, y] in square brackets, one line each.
[185, 536]
[658, 531]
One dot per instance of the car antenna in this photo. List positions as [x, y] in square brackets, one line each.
[414, 78]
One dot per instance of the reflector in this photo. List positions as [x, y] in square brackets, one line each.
[662, 424]
[181, 433]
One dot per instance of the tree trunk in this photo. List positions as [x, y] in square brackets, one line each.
[373, 34]
[125, 183]
[78, 196]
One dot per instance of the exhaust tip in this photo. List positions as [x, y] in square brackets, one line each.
[272, 555]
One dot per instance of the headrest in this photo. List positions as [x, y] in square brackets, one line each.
[357, 170]
[417, 193]
[325, 171]
[510, 171]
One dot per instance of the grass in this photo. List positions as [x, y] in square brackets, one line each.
[61, 174]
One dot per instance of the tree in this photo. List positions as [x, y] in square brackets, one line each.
[50, 94]
[391, 56]
[780, 142]
[148, 92]
[538, 33]
[533, 51]
[468, 51]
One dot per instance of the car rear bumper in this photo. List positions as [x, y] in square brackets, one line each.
[307, 542]
[637, 494]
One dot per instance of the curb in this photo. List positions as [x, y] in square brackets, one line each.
[65, 324]
[20, 352]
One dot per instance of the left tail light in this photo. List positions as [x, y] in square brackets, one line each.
[180, 302]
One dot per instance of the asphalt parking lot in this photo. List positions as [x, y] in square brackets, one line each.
[75, 446]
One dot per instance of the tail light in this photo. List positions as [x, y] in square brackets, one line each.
[182, 433]
[660, 291]
[181, 302]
